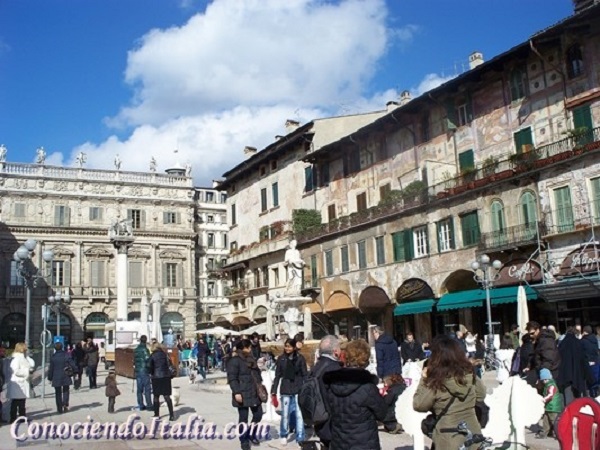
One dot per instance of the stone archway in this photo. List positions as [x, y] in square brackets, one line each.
[173, 321]
[459, 280]
[94, 325]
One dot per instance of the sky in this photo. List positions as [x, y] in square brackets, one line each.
[195, 81]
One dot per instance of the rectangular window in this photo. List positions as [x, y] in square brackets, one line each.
[19, 209]
[210, 218]
[384, 191]
[95, 214]
[361, 248]
[61, 273]
[564, 209]
[224, 196]
[170, 218]
[595, 197]
[314, 277]
[225, 240]
[445, 235]
[466, 160]
[518, 83]
[234, 246]
[331, 214]
[380, 250]
[210, 289]
[329, 263]
[171, 275]
[273, 164]
[421, 244]
[324, 169]
[403, 245]
[275, 193]
[210, 264]
[135, 215]
[308, 179]
[136, 274]
[98, 273]
[463, 114]
[210, 197]
[361, 202]
[233, 217]
[425, 135]
[210, 240]
[265, 275]
[263, 199]
[15, 278]
[344, 258]
[523, 140]
[61, 215]
[275, 274]
[469, 224]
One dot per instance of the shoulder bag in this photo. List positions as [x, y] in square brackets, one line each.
[429, 423]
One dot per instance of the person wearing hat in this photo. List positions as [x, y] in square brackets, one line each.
[111, 390]
[553, 404]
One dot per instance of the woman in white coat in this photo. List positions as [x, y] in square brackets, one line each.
[18, 385]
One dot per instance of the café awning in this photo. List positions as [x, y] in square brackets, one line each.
[417, 307]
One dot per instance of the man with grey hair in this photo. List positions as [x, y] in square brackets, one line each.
[329, 354]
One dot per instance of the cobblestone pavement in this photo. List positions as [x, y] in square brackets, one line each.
[210, 400]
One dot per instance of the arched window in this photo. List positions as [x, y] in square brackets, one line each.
[574, 61]
[528, 214]
[498, 223]
[172, 321]
[94, 325]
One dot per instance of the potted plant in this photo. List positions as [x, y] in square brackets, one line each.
[489, 166]
[414, 191]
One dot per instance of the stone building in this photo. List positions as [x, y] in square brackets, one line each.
[500, 160]
[68, 210]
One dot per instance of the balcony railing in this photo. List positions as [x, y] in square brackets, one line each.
[565, 220]
[488, 173]
[511, 237]
[239, 287]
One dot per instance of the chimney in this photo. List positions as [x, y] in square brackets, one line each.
[291, 125]
[249, 151]
[391, 105]
[404, 98]
[475, 59]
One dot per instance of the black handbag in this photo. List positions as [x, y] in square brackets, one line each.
[429, 423]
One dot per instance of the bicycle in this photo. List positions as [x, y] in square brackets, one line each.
[476, 438]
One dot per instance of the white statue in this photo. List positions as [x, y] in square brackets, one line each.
[294, 264]
[120, 228]
[3, 151]
[41, 156]
[117, 162]
[152, 164]
[81, 159]
[188, 170]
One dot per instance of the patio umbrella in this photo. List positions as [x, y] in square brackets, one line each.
[218, 331]
[522, 310]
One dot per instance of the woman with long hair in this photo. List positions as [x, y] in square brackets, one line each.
[290, 369]
[447, 378]
[18, 385]
[158, 366]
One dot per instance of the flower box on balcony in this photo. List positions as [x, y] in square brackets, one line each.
[503, 175]
[591, 146]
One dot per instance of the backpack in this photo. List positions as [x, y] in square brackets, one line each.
[311, 402]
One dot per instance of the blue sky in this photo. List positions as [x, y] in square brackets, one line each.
[140, 78]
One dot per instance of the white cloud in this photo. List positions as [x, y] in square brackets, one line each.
[234, 73]
[429, 82]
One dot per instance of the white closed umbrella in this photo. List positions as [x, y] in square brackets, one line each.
[522, 310]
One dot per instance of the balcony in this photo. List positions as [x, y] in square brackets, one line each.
[564, 220]
[511, 237]
[490, 172]
[237, 290]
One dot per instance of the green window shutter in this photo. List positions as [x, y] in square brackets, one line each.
[263, 199]
[451, 116]
[408, 245]
[452, 239]
[528, 209]
[438, 230]
[308, 179]
[497, 217]
[233, 218]
[275, 192]
[582, 117]
[345, 261]
[523, 137]
[466, 160]
[564, 210]
[596, 197]
[398, 243]
[313, 271]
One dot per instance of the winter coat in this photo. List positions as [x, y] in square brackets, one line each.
[324, 365]
[589, 342]
[388, 356]
[574, 369]
[355, 408]
[289, 386]
[546, 354]
[56, 371]
[158, 365]
[242, 376]
[463, 408]
[111, 389]
[202, 352]
[390, 398]
[18, 384]
[91, 356]
[141, 356]
[412, 350]
[78, 356]
[256, 351]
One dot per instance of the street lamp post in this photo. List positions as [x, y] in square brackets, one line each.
[30, 274]
[58, 302]
[484, 276]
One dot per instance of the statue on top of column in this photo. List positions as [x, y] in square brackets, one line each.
[294, 264]
[120, 228]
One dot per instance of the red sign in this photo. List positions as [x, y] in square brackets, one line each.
[519, 270]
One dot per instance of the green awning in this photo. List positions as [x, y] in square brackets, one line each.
[418, 307]
[461, 299]
[476, 297]
[508, 294]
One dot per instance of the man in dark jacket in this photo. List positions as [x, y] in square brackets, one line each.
[388, 356]
[329, 353]
[242, 375]
[574, 369]
[590, 350]
[141, 355]
[255, 345]
[92, 358]
[202, 352]
[411, 350]
[545, 351]
[58, 376]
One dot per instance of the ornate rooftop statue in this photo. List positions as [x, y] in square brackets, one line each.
[41, 156]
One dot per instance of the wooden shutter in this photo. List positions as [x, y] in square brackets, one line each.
[275, 194]
[582, 117]
[595, 182]
[466, 160]
[398, 244]
[408, 245]
[308, 179]
[497, 217]
[564, 211]
[331, 215]
[451, 229]
[451, 116]
[345, 262]
[523, 138]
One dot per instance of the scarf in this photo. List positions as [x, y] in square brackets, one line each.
[289, 371]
